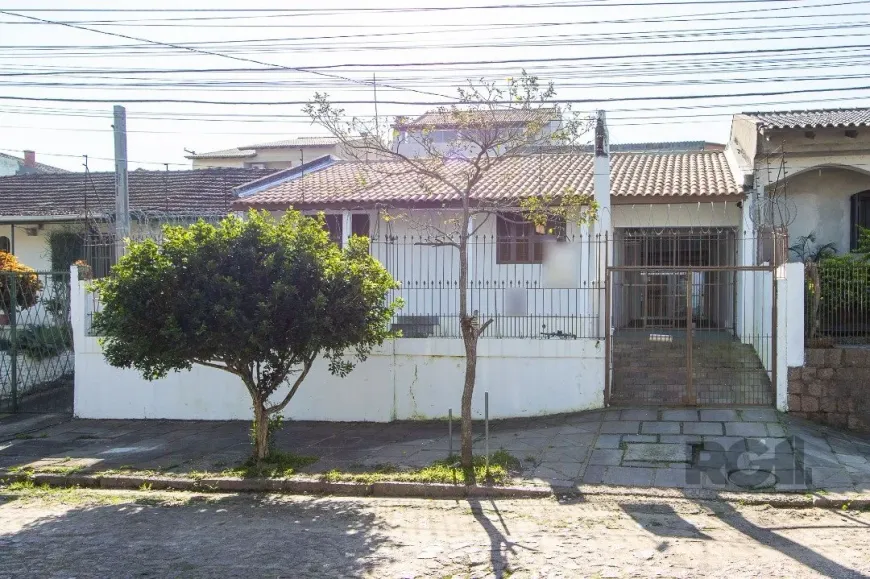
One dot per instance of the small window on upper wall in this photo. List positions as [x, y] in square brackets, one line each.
[360, 225]
[5, 245]
[333, 226]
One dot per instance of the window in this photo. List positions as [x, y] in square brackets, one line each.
[518, 242]
[333, 226]
[360, 225]
[5, 245]
[860, 217]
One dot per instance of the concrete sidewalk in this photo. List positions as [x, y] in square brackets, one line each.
[719, 449]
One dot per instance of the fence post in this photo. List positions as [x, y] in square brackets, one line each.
[13, 339]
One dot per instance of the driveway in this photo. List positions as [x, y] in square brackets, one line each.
[719, 449]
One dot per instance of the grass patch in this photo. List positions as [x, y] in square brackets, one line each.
[27, 436]
[278, 464]
[501, 465]
[64, 470]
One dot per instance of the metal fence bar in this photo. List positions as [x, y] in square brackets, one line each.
[837, 302]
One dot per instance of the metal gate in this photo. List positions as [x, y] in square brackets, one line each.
[36, 349]
[691, 335]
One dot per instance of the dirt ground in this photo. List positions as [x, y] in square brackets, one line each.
[80, 533]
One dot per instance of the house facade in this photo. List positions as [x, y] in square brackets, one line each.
[272, 155]
[33, 206]
[26, 165]
[441, 132]
[809, 173]
[663, 299]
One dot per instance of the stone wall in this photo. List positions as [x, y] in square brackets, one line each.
[833, 387]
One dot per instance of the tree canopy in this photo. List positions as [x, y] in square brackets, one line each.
[256, 297]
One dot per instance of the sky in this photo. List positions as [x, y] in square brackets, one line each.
[655, 66]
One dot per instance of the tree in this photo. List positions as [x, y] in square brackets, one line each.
[27, 284]
[258, 298]
[489, 124]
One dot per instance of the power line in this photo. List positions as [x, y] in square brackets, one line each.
[207, 52]
[438, 103]
[329, 11]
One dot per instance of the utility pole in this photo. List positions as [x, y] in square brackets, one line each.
[375, 88]
[122, 192]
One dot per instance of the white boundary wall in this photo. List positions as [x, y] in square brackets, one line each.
[404, 379]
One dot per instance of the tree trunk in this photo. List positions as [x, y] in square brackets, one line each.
[466, 453]
[469, 338]
[261, 431]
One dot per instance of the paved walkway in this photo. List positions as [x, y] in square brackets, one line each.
[749, 448]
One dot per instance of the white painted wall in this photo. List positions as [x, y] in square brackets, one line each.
[8, 166]
[404, 379]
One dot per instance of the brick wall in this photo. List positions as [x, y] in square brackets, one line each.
[833, 387]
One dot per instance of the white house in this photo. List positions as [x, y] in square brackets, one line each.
[809, 172]
[440, 132]
[663, 299]
[270, 155]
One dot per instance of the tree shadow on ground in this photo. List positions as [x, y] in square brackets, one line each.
[205, 536]
[768, 537]
[500, 546]
[663, 520]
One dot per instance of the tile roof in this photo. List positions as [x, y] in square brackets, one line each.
[38, 168]
[634, 177]
[201, 190]
[224, 154]
[297, 142]
[659, 147]
[507, 116]
[812, 119]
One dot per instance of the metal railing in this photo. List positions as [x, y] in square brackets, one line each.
[535, 287]
[36, 348]
[837, 302]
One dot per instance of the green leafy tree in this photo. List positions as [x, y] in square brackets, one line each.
[258, 298]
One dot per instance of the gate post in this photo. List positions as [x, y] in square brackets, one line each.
[691, 397]
[13, 339]
[607, 336]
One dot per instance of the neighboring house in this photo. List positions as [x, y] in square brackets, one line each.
[11, 165]
[31, 206]
[274, 155]
[439, 132]
[809, 172]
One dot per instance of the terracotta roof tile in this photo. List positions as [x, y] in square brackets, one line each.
[202, 190]
[812, 119]
[633, 176]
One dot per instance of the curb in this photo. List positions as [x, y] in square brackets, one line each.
[390, 489]
[289, 486]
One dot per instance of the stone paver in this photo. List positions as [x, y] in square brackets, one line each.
[708, 428]
[718, 415]
[687, 415]
[615, 446]
[745, 429]
[657, 452]
[154, 534]
[660, 428]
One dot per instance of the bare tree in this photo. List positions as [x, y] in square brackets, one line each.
[489, 125]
